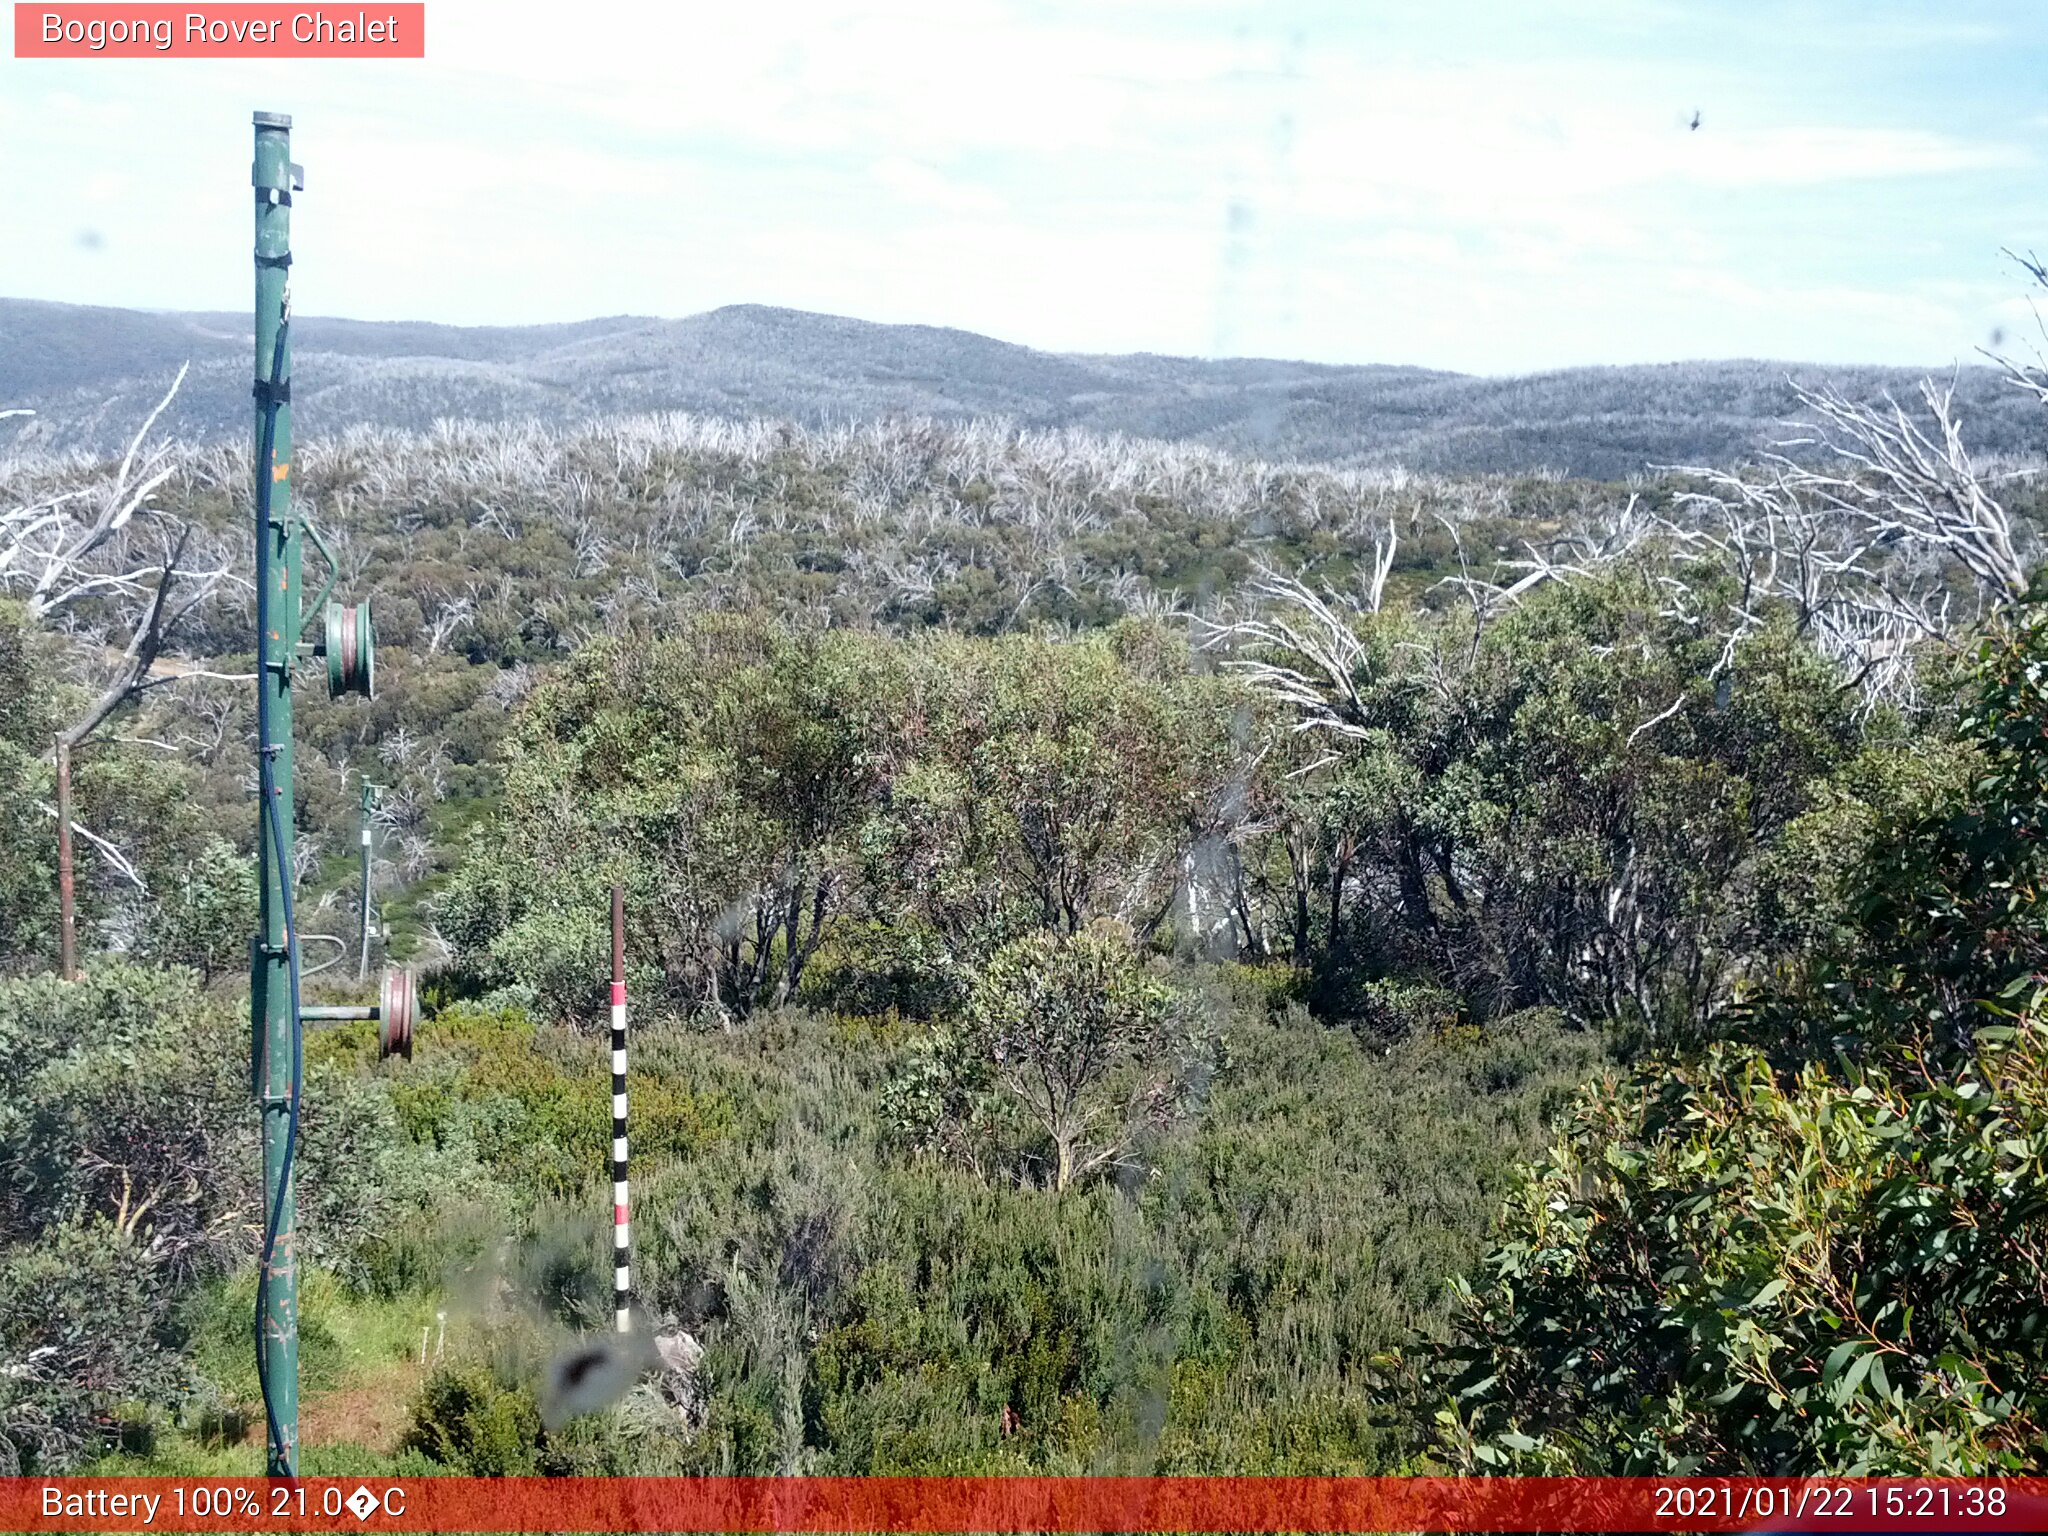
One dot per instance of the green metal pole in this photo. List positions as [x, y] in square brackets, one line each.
[369, 805]
[271, 984]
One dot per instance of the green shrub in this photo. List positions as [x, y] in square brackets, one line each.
[1729, 1269]
[84, 1329]
[128, 1151]
[470, 1423]
[203, 916]
[1388, 1010]
[1815, 1249]
[533, 1102]
[1266, 988]
[1071, 1035]
[1230, 1303]
[723, 773]
[28, 853]
[871, 969]
[126, 1094]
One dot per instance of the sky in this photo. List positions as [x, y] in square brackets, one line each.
[1491, 186]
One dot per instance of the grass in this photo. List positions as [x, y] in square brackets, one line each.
[359, 1371]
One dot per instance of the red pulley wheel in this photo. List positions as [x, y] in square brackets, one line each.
[398, 1009]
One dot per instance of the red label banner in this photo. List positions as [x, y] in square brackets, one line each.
[374, 31]
[1021, 1504]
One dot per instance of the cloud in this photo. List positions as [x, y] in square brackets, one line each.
[914, 182]
[1529, 134]
[1459, 183]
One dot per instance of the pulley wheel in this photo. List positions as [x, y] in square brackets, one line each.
[397, 1010]
[351, 650]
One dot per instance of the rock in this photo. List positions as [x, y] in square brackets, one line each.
[679, 1353]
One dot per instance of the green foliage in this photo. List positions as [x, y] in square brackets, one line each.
[145, 806]
[205, 917]
[1727, 1269]
[756, 787]
[1231, 1305]
[472, 1424]
[1389, 1009]
[722, 774]
[1559, 809]
[1082, 1042]
[877, 763]
[1954, 912]
[28, 847]
[150, 810]
[348, 1337]
[128, 1149]
[532, 1103]
[83, 1327]
[1817, 1248]
[1039, 784]
[1266, 989]
[878, 968]
[125, 1095]
[1812, 882]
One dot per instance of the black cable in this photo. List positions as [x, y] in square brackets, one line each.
[267, 789]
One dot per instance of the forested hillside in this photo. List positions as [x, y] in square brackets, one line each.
[1144, 959]
[88, 372]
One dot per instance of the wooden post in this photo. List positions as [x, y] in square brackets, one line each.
[67, 889]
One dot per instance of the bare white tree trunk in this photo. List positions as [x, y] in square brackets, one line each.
[106, 547]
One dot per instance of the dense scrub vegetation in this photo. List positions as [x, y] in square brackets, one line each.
[1102, 1004]
[1821, 1241]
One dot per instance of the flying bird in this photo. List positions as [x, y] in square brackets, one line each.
[1695, 119]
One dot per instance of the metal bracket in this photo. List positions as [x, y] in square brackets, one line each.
[312, 530]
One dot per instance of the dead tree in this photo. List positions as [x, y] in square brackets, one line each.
[1295, 623]
[1897, 540]
[104, 563]
[1899, 481]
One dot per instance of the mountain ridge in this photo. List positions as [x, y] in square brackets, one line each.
[84, 370]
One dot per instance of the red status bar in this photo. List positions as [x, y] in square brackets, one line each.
[1022, 1504]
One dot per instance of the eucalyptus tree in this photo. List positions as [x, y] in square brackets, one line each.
[1557, 794]
[1082, 1042]
[1814, 1247]
[723, 774]
[1042, 784]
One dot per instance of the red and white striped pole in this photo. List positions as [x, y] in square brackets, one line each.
[622, 1224]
